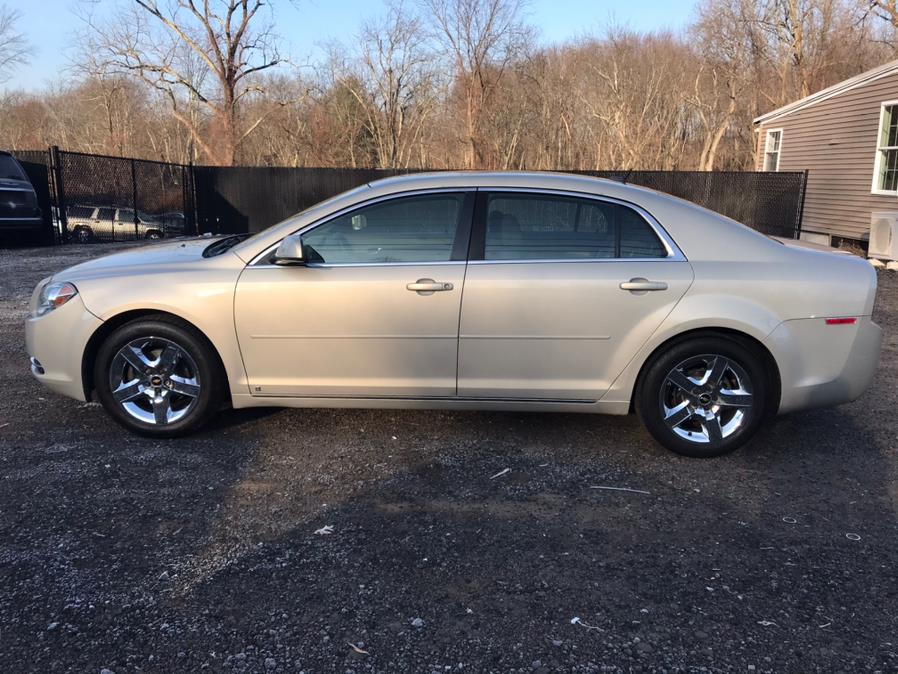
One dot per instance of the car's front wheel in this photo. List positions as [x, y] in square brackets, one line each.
[158, 376]
[705, 396]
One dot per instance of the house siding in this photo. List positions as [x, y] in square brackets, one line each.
[835, 140]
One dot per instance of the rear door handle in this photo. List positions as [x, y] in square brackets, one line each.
[427, 286]
[641, 285]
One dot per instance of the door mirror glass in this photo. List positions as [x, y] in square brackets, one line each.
[289, 252]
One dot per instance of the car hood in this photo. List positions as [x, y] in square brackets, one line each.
[152, 257]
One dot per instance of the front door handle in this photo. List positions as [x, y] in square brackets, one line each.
[641, 285]
[427, 286]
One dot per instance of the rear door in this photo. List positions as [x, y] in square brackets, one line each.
[560, 293]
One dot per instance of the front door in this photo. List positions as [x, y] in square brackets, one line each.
[560, 293]
[373, 313]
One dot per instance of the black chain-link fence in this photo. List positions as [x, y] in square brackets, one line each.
[116, 199]
[100, 198]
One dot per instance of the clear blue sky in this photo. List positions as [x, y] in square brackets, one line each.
[51, 25]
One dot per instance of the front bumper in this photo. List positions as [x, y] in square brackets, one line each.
[57, 340]
[822, 365]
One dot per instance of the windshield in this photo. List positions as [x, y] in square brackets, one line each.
[9, 168]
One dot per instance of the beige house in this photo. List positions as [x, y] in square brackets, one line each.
[846, 137]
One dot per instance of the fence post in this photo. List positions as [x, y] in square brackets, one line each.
[134, 198]
[58, 191]
[804, 191]
[190, 199]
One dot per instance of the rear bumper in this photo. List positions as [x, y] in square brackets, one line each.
[57, 341]
[822, 365]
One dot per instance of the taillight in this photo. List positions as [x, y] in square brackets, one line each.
[841, 321]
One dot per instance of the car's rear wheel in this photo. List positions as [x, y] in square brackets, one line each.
[83, 234]
[158, 376]
[704, 397]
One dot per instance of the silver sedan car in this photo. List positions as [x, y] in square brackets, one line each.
[490, 291]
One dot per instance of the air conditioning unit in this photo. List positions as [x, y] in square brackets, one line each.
[884, 235]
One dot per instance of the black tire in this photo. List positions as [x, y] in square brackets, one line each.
[197, 360]
[696, 436]
[154, 235]
[83, 234]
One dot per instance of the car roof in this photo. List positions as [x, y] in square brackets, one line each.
[533, 179]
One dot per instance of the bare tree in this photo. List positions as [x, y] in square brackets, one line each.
[14, 48]
[729, 43]
[395, 86]
[636, 99]
[201, 55]
[481, 37]
[797, 32]
[457, 85]
[887, 11]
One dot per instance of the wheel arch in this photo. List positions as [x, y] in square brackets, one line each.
[111, 324]
[770, 365]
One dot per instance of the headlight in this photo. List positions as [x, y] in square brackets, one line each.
[53, 296]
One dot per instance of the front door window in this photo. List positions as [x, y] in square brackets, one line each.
[415, 229]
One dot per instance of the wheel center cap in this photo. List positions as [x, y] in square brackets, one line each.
[705, 399]
[156, 380]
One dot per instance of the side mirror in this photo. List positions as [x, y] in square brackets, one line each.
[289, 252]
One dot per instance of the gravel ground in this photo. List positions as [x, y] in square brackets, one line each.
[126, 554]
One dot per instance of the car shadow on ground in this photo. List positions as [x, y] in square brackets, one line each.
[198, 550]
[736, 561]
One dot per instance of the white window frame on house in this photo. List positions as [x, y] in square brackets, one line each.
[880, 151]
[768, 151]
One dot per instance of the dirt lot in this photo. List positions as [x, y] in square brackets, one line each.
[200, 554]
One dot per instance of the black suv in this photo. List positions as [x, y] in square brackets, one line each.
[19, 212]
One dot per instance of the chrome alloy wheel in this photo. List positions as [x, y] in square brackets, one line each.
[154, 380]
[706, 398]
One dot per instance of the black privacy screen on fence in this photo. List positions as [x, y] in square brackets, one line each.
[249, 199]
[88, 198]
[770, 202]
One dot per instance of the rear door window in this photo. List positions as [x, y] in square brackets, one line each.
[522, 226]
